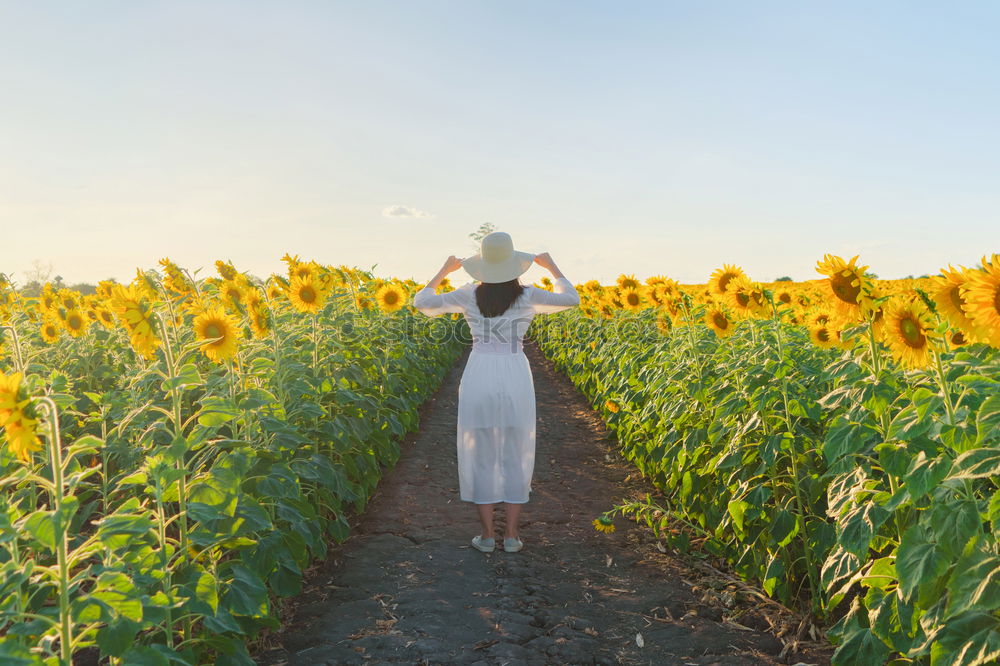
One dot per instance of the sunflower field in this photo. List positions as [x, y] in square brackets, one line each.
[176, 451]
[836, 441]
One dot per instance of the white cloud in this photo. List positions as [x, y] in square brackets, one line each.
[404, 211]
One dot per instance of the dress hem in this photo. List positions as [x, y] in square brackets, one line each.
[494, 501]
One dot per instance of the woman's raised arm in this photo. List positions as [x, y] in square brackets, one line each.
[562, 297]
[432, 304]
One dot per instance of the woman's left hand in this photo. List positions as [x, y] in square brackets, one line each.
[452, 264]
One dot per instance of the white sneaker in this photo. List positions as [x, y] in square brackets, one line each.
[485, 545]
[512, 545]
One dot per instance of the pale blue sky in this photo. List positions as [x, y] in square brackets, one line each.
[638, 137]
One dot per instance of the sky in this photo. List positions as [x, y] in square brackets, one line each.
[645, 138]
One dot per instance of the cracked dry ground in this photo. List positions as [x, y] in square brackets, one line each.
[407, 586]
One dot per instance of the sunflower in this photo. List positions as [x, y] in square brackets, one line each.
[146, 285]
[717, 318]
[226, 269]
[956, 339]
[306, 295]
[611, 405]
[847, 283]
[75, 323]
[823, 336]
[718, 283]
[304, 271]
[745, 297]
[17, 417]
[821, 317]
[664, 322]
[603, 524]
[22, 437]
[232, 293]
[627, 282]
[908, 330]
[174, 279]
[46, 301]
[982, 299]
[68, 299]
[220, 333]
[363, 301]
[50, 331]
[260, 321]
[275, 291]
[252, 296]
[136, 317]
[390, 297]
[631, 299]
[947, 294]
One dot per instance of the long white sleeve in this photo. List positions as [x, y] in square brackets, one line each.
[562, 297]
[432, 305]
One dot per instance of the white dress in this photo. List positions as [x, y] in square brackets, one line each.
[496, 396]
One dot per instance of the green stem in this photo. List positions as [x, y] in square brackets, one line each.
[18, 359]
[691, 334]
[168, 629]
[945, 389]
[180, 463]
[61, 534]
[873, 348]
[105, 488]
[315, 331]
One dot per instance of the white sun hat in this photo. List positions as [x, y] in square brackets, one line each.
[497, 260]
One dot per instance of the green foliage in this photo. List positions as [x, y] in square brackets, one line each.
[193, 494]
[824, 476]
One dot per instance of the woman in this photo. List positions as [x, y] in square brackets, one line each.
[496, 396]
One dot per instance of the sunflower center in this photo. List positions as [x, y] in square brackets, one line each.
[785, 297]
[996, 300]
[391, 298]
[307, 294]
[912, 336]
[823, 335]
[633, 299]
[74, 321]
[213, 330]
[724, 281]
[743, 299]
[720, 321]
[844, 289]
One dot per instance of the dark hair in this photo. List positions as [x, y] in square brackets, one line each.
[493, 298]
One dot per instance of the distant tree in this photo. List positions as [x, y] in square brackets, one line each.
[39, 272]
[477, 235]
[84, 288]
[783, 278]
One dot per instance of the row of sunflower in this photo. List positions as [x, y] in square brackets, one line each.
[835, 441]
[902, 311]
[176, 451]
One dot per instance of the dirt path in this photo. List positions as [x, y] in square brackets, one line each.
[407, 586]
